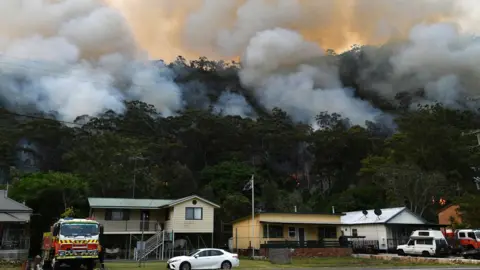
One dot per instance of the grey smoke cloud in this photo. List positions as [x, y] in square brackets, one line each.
[86, 56]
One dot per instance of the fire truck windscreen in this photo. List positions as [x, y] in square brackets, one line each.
[79, 229]
[477, 234]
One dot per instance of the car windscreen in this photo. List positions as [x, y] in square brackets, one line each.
[193, 252]
[441, 243]
[477, 234]
[79, 229]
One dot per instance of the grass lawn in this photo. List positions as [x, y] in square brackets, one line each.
[349, 262]
[296, 263]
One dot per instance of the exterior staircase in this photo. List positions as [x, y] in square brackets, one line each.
[152, 244]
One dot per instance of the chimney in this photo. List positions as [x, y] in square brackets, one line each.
[295, 209]
[333, 209]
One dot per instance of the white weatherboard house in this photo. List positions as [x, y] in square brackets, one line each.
[391, 228]
[166, 226]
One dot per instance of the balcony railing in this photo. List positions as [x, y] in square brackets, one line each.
[129, 226]
[18, 244]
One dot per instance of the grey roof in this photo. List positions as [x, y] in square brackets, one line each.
[357, 217]
[9, 205]
[127, 203]
[12, 217]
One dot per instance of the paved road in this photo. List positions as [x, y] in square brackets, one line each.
[376, 268]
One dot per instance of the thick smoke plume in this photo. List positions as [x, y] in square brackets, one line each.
[76, 57]
[86, 56]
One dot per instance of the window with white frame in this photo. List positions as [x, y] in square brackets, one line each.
[193, 213]
[292, 232]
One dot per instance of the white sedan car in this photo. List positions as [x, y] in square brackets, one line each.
[206, 258]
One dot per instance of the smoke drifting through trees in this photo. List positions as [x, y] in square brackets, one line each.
[79, 57]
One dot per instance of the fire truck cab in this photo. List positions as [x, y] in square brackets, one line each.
[73, 242]
[464, 239]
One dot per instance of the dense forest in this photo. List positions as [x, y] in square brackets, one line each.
[425, 155]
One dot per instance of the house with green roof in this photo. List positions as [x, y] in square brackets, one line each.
[173, 227]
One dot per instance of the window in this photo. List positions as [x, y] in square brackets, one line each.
[292, 232]
[441, 243]
[216, 253]
[272, 231]
[411, 243]
[203, 253]
[193, 213]
[354, 233]
[423, 233]
[117, 214]
[471, 235]
[462, 235]
[327, 232]
[424, 242]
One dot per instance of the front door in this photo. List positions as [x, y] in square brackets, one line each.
[202, 260]
[301, 236]
[144, 220]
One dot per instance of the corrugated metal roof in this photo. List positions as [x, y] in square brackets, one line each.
[5, 217]
[9, 205]
[127, 203]
[357, 217]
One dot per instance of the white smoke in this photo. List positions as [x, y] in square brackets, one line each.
[76, 57]
[274, 65]
[82, 57]
[439, 59]
[233, 104]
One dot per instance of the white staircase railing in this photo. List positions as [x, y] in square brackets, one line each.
[152, 244]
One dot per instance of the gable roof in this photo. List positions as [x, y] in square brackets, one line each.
[9, 205]
[357, 217]
[125, 203]
[175, 202]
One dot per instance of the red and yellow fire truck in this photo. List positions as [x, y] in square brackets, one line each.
[73, 242]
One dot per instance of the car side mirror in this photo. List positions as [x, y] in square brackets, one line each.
[101, 229]
[195, 256]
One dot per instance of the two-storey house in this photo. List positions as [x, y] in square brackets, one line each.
[167, 227]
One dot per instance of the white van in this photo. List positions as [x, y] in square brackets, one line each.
[425, 243]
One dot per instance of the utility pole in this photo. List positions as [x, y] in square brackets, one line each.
[253, 215]
[135, 158]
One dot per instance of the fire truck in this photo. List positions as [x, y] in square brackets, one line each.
[73, 242]
[462, 240]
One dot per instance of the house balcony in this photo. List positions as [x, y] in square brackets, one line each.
[130, 226]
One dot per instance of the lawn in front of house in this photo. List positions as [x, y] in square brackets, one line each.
[296, 263]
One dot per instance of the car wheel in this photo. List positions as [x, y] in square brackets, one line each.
[400, 252]
[226, 265]
[425, 254]
[185, 266]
